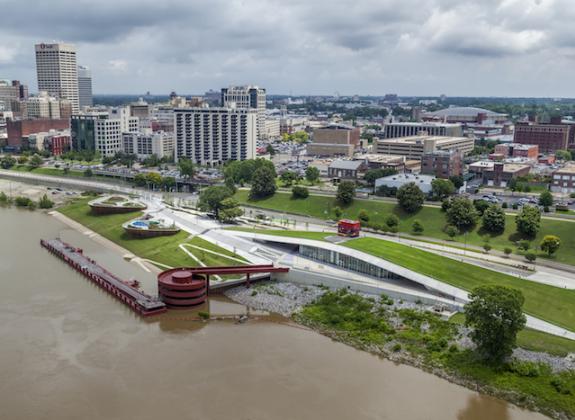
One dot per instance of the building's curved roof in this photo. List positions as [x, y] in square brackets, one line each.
[463, 111]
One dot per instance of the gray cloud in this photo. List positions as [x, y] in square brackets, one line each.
[303, 46]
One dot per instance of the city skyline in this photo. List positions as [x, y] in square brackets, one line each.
[415, 47]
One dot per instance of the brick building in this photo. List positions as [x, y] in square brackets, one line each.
[549, 137]
[442, 164]
[529, 151]
[334, 140]
[19, 130]
[501, 173]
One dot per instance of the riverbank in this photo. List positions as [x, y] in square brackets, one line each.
[412, 334]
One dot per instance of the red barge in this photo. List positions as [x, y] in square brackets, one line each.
[126, 292]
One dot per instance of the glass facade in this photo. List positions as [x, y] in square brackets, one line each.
[346, 262]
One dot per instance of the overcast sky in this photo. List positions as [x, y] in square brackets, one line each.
[409, 47]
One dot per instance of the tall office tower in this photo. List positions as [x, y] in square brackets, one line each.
[58, 72]
[85, 86]
[247, 97]
[212, 136]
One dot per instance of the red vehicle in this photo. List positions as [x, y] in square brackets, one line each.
[349, 228]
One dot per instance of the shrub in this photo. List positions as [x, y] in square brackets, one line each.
[254, 293]
[526, 369]
[337, 211]
[417, 227]
[88, 173]
[204, 315]
[508, 251]
[524, 245]
[515, 206]
[561, 386]
[451, 231]
[392, 221]
[23, 201]
[299, 192]
[363, 217]
[487, 247]
[396, 347]
[530, 256]
[45, 202]
[504, 205]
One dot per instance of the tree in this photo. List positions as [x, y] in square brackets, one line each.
[487, 247]
[550, 244]
[417, 227]
[186, 167]
[168, 182]
[442, 188]
[312, 174]
[299, 192]
[270, 149]
[288, 178]
[154, 179]
[528, 221]
[88, 173]
[345, 192]
[263, 183]
[493, 219]
[35, 161]
[229, 210]
[363, 216]
[462, 213]
[457, 181]
[546, 199]
[211, 199]
[563, 155]
[392, 221]
[140, 179]
[410, 197]
[495, 314]
[481, 205]
[7, 162]
[22, 159]
[45, 202]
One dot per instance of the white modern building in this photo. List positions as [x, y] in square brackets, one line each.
[85, 86]
[271, 128]
[102, 131]
[57, 72]
[211, 136]
[148, 143]
[247, 97]
[42, 106]
[408, 129]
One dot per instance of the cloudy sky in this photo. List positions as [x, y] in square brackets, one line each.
[411, 47]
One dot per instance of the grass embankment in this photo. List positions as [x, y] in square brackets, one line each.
[424, 338]
[432, 218]
[550, 303]
[162, 249]
[47, 171]
[535, 340]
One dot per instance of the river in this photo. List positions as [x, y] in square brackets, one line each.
[70, 351]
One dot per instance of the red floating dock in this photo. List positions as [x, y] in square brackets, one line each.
[140, 302]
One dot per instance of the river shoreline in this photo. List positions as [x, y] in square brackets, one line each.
[276, 296]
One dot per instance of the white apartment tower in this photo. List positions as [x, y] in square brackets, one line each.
[247, 97]
[212, 136]
[58, 72]
[85, 86]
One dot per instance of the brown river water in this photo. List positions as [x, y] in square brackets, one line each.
[70, 351]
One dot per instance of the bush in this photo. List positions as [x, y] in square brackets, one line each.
[546, 209]
[204, 315]
[45, 202]
[530, 256]
[504, 205]
[363, 217]
[508, 251]
[88, 173]
[487, 247]
[396, 347]
[524, 245]
[561, 386]
[445, 204]
[417, 227]
[451, 231]
[299, 192]
[338, 212]
[515, 206]
[23, 202]
[392, 221]
[525, 369]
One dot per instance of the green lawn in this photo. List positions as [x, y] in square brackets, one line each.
[550, 303]
[163, 249]
[433, 220]
[535, 340]
[47, 171]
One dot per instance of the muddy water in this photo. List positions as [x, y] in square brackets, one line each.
[69, 351]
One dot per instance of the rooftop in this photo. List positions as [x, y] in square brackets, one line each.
[463, 112]
[422, 139]
[346, 164]
[569, 169]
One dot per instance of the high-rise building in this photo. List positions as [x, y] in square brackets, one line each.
[247, 97]
[211, 136]
[85, 86]
[43, 106]
[148, 143]
[58, 72]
